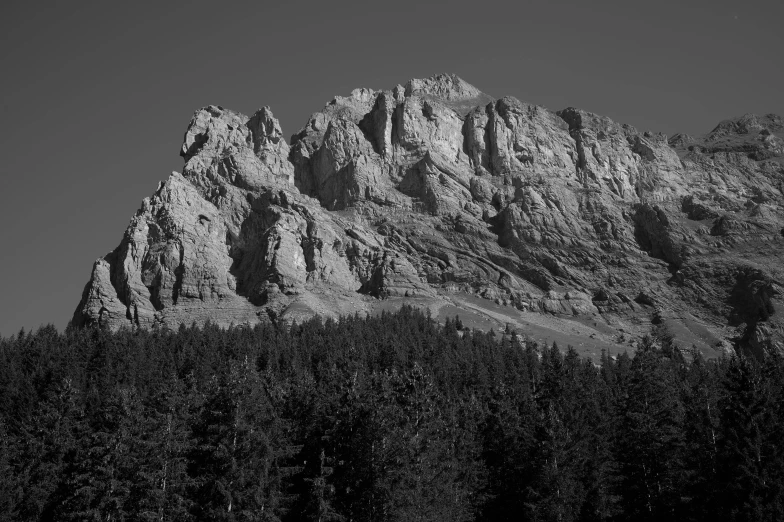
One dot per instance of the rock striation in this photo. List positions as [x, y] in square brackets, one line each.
[437, 194]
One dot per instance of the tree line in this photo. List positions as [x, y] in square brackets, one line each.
[385, 418]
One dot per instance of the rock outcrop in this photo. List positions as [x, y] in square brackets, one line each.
[435, 193]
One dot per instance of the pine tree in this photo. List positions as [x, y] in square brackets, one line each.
[434, 477]
[651, 440]
[363, 449]
[161, 442]
[98, 480]
[45, 446]
[751, 474]
[234, 461]
[556, 493]
[598, 475]
[509, 453]
[9, 486]
[702, 433]
[319, 497]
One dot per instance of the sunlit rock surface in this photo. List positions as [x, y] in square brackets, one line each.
[563, 225]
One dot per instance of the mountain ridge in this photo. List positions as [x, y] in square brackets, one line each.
[437, 194]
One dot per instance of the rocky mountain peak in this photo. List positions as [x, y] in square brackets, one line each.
[747, 124]
[758, 137]
[565, 225]
[449, 87]
[266, 130]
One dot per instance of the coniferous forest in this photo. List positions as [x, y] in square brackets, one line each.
[394, 417]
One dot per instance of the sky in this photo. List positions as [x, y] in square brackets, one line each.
[95, 97]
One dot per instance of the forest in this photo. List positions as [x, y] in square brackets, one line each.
[388, 418]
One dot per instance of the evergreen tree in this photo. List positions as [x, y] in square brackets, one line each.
[750, 455]
[161, 441]
[702, 432]
[557, 493]
[234, 461]
[435, 476]
[9, 487]
[509, 452]
[98, 479]
[363, 449]
[651, 439]
[599, 473]
[380, 418]
[46, 443]
[320, 494]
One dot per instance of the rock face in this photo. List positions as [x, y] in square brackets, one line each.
[436, 194]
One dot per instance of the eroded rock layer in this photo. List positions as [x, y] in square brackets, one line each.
[436, 194]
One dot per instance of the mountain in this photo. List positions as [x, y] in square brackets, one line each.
[566, 226]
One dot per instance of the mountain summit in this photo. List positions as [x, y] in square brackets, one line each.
[564, 225]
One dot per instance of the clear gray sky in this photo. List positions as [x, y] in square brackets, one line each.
[96, 96]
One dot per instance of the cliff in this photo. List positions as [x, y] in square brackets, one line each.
[564, 225]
